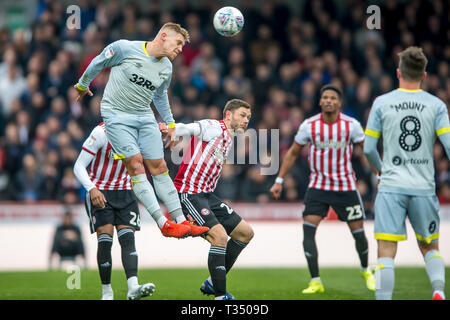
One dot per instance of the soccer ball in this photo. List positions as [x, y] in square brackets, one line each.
[228, 21]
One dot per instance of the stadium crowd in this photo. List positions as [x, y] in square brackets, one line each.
[277, 64]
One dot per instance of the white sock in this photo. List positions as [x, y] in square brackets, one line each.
[180, 219]
[107, 289]
[161, 221]
[316, 279]
[132, 283]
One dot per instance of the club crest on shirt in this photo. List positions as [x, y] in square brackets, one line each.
[205, 211]
[90, 141]
[109, 53]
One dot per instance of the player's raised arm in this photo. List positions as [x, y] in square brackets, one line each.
[110, 56]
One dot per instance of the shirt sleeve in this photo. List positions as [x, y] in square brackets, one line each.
[210, 129]
[357, 134]
[95, 141]
[161, 101]
[373, 128]
[443, 127]
[373, 133]
[110, 56]
[190, 129]
[79, 169]
[302, 137]
[442, 122]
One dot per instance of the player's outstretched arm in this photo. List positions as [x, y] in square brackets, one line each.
[109, 57]
[286, 165]
[189, 129]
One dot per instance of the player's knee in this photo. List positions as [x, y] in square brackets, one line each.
[217, 236]
[426, 247]
[135, 165]
[156, 167]
[249, 234]
[246, 233]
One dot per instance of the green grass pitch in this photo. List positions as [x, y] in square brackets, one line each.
[244, 283]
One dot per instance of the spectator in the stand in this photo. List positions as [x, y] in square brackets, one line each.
[278, 53]
[29, 182]
[256, 186]
[228, 185]
[206, 55]
[13, 149]
[12, 86]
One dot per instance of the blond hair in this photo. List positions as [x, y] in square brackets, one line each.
[412, 63]
[178, 29]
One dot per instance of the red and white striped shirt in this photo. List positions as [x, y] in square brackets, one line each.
[203, 160]
[330, 151]
[105, 172]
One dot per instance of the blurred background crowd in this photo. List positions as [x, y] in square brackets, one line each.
[277, 63]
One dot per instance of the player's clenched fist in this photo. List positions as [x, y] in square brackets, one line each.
[82, 92]
[276, 189]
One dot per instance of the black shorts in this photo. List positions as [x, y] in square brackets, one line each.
[347, 204]
[121, 209]
[208, 210]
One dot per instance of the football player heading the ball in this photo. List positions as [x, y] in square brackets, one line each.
[141, 73]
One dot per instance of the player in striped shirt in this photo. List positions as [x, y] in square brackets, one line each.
[141, 72]
[196, 181]
[330, 135]
[409, 120]
[110, 202]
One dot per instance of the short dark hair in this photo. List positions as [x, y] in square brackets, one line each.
[412, 63]
[331, 87]
[234, 104]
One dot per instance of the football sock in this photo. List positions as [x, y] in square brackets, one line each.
[384, 279]
[434, 264]
[146, 195]
[166, 191]
[234, 248]
[216, 266]
[132, 283]
[104, 260]
[362, 247]
[129, 254]
[310, 248]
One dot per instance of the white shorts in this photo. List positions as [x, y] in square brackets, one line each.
[391, 210]
[130, 134]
